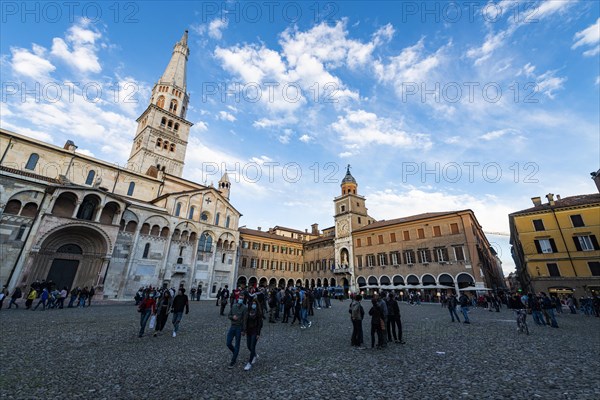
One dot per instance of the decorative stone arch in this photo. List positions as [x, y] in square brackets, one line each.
[397, 280]
[157, 220]
[252, 281]
[25, 197]
[13, 207]
[242, 281]
[325, 282]
[155, 230]
[332, 282]
[318, 282]
[312, 283]
[290, 282]
[464, 280]
[344, 257]
[110, 212]
[306, 283]
[205, 242]
[130, 221]
[372, 280]
[281, 283]
[65, 204]
[385, 280]
[272, 282]
[89, 207]
[263, 281]
[428, 280]
[145, 230]
[164, 232]
[412, 280]
[445, 279]
[361, 281]
[70, 268]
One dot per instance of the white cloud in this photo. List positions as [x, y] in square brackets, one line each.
[286, 136]
[305, 138]
[216, 26]
[497, 134]
[79, 49]
[359, 128]
[225, 116]
[589, 36]
[32, 64]
[346, 154]
[548, 84]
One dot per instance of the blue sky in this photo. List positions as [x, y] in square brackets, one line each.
[437, 106]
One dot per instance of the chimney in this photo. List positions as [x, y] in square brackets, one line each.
[596, 178]
[315, 229]
[306, 231]
[537, 201]
[557, 197]
[550, 197]
[69, 145]
[259, 228]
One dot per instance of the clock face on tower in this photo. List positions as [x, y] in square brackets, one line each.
[343, 228]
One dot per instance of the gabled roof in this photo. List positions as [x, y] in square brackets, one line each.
[283, 228]
[412, 218]
[320, 240]
[572, 201]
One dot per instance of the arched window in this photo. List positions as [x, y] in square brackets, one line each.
[90, 177]
[176, 127]
[205, 243]
[12, 207]
[87, 209]
[161, 102]
[131, 189]
[158, 142]
[177, 209]
[217, 218]
[227, 221]
[166, 144]
[173, 106]
[191, 213]
[170, 124]
[172, 148]
[146, 250]
[163, 122]
[32, 162]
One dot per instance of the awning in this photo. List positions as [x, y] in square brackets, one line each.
[474, 289]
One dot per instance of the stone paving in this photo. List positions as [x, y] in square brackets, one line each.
[94, 353]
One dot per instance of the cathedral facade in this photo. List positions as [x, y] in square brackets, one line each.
[81, 221]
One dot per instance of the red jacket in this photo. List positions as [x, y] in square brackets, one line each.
[148, 303]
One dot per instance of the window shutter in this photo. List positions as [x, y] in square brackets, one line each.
[553, 245]
[577, 244]
[594, 242]
[537, 246]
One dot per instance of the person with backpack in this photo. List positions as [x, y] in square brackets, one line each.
[357, 314]
[17, 293]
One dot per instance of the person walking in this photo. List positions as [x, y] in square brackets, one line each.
[30, 298]
[224, 299]
[252, 326]
[146, 308]
[91, 294]
[357, 314]
[180, 302]
[237, 316]
[452, 303]
[548, 309]
[17, 293]
[464, 307]
[43, 300]
[74, 294]
[219, 296]
[198, 293]
[304, 304]
[287, 306]
[163, 307]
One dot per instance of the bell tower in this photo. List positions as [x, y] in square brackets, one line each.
[161, 137]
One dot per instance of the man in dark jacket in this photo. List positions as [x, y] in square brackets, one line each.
[180, 302]
[465, 302]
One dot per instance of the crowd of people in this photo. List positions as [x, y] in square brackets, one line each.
[49, 296]
[155, 305]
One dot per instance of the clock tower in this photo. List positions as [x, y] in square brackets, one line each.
[350, 214]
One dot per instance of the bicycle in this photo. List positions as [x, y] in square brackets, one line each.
[522, 321]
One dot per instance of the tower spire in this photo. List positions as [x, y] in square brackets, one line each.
[176, 72]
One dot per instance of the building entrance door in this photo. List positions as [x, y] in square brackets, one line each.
[62, 272]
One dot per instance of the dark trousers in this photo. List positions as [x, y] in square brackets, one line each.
[357, 332]
[286, 314]
[376, 329]
[398, 322]
[223, 304]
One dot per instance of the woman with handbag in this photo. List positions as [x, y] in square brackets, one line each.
[146, 308]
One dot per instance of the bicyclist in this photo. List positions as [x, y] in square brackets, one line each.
[517, 304]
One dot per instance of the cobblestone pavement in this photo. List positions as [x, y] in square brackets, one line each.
[94, 353]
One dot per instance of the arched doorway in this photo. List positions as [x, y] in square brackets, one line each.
[465, 280]
[73, 256]
[241, 282]
[272, 282]
[319, 282]
[290, 282]
[252, 282]
[281, 283]
[345, 284]
[262, 282]
[361, 282]
[332, 282]
[312, 283]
